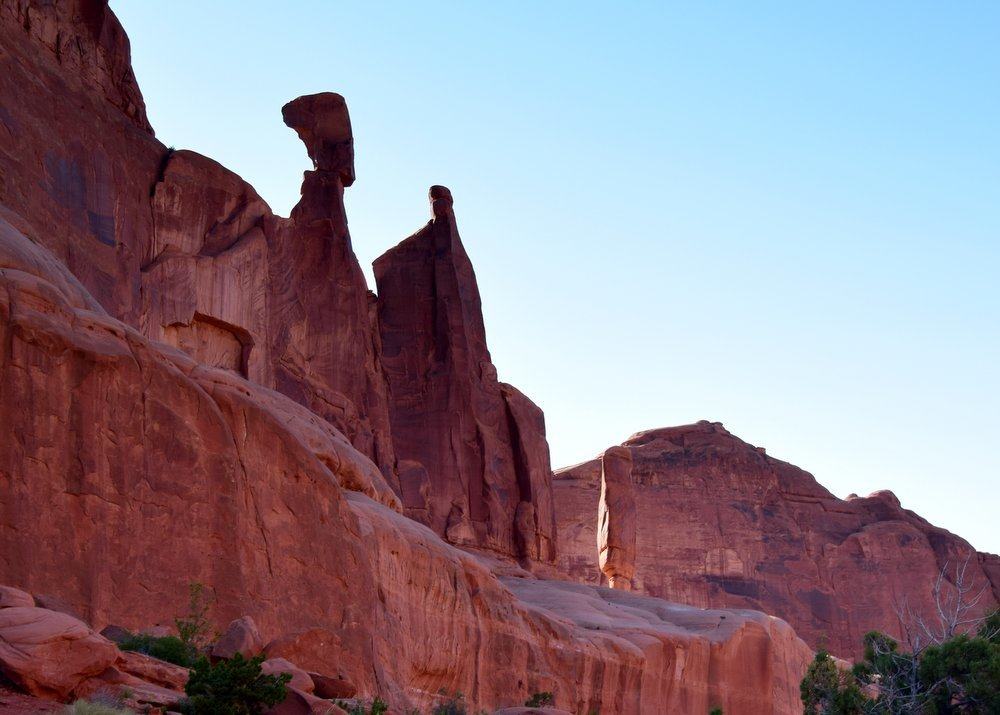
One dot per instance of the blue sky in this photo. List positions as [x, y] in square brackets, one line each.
[781, 216]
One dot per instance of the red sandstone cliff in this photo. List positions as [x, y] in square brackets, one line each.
[193, 390]
[183, 249]
[718, 523]
[135, 469]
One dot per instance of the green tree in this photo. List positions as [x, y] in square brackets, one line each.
[233, 687]
[194, 629]
[540, 700]
[830, 690]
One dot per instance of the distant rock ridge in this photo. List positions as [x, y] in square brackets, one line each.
[719, 523]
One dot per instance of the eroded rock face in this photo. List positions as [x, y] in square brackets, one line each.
[718, 523]
[594, 648]
[77, 156]
[205, 289]
[174, 244]
[214, 479]
[47, 653]
[616, 519]
[472, 451]
[322, 336]
[154, 452]
[164, 472]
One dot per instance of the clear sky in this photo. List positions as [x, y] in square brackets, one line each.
[784, 217]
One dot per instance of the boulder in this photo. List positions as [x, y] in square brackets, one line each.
[241, 636]
[135, 693]
[117, 634]
[300, 678]
[13, 597]
[332, 688]
[47, 653]
[153, 670]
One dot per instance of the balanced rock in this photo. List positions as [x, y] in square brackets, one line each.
[324, 126]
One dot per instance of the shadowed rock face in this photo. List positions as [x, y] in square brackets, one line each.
[718, 523]
[77, 156]
[472, 451]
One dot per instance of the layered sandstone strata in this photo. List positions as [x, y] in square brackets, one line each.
[720, 524]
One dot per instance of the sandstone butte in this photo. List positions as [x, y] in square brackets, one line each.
[194, 389]
[715, 522]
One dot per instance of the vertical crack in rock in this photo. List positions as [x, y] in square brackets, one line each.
[616, 517]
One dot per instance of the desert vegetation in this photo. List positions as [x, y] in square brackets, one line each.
[950, 662]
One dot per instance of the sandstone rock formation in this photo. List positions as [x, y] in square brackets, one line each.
[164, 471]
[323, 340]
[179, 247]
[455, 627]
[77, 156]
[721, 524]
[616, 519]
[48, 653]
[198, 390]
[474, 463]
[241, 636]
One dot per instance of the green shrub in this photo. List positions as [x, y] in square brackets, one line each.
[540, 700]
[232, 687]
[960, 674]
[828, 690]
[377, 707]
[193, 634]
[169, 648]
